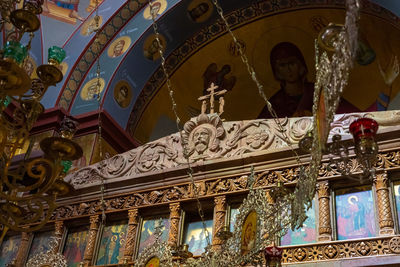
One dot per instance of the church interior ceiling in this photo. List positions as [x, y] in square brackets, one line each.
[198, 52]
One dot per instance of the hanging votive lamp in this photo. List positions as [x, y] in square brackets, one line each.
[273, 255]
[15, 51]
[49, 73]
[364, 131]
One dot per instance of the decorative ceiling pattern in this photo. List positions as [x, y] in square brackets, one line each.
[132, 79]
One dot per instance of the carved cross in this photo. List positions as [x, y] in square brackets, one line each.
[212, 96]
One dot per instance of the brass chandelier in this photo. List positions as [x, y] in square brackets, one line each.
[29, 186]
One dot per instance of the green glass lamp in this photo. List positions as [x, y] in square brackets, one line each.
[56, 55]
[15, 51]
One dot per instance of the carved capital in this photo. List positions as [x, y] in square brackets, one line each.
[131, 234]
[133, 216]
[175, 217]
[325, 227]
[93, 230]
[381, 180]
[219, 220]
[386, 223]
[220, 203]
[323, 189]
[94, 221]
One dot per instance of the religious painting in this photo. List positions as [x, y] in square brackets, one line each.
[62, 10]
[75, 245]
[30, 67]
[90, 26]
[112, 243]
[87, 144]
[9, 249]
[40, 243]
[249, 231]
[92, 88]
[35, 139]
[222, 78]
[107, 151]
[232, 218]
[147, 229]
[233, 47]
[63, 67]
[157, 8]
[119, 46]
[200, 10]
[153, 262]
[289, 68]
[355, 213]
[151, 49]
[123, 94]
[304, 235]
[396, 189]
[195, 236]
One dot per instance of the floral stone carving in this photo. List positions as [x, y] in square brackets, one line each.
[209, 138]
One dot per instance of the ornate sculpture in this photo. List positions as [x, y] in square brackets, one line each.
[203, 137]
[219, 140]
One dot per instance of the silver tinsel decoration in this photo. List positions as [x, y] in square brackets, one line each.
[48, 258]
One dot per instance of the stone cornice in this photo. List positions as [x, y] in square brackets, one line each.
[229, 147]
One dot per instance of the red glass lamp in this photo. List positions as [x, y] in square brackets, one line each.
[364, 131]
[273, 255]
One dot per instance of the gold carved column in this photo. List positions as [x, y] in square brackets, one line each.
[58, 233]
[22, 249]
[131, 235]
[91, 241]
[325, 227]
[219, 220]
[175, 218]
[386, 223]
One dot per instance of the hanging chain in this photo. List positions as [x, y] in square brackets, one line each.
[99, 138]
[253, 76]
[178, 120]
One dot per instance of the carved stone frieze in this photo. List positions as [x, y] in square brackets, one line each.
[342, 250]
[208, 138]
[206, 188]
